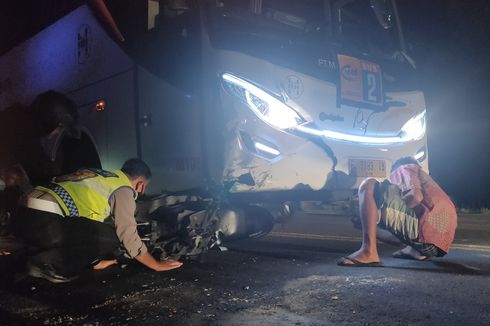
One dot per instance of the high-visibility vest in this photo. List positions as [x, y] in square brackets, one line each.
[86, 192]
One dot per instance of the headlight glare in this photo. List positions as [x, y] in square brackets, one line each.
[415, 128]
[265, 106]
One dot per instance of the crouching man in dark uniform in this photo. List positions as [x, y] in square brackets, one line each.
[80, 220]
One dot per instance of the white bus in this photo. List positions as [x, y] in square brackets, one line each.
[310, 97]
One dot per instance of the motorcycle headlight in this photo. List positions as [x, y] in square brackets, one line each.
[267, 107]
[414, 129]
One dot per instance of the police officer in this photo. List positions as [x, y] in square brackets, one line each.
[81, 219]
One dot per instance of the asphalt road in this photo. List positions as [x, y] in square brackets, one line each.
[288, 278]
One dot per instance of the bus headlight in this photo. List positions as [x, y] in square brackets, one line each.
[415, 128]
[267, 107]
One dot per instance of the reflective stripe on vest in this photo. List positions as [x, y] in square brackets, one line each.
[65, 198]
[86, 192]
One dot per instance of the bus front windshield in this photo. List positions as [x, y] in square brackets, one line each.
[364, 27]
[367, 27]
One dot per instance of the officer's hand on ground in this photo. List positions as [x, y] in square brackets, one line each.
[159, 266]
[167, 265]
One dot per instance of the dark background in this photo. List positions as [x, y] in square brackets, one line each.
[450, 42]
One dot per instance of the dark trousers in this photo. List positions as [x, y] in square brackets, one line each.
[70, 244]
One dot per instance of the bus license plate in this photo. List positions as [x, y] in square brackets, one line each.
[367, 168]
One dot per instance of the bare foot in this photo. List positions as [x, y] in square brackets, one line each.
[103, 264]
[409, 253]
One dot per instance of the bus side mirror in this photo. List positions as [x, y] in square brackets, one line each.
[383, 12]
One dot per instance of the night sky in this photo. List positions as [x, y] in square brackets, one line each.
[450, 42]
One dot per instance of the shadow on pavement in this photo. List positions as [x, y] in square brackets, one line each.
[442, 266]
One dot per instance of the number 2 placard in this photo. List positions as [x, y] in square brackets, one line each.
[360, 81]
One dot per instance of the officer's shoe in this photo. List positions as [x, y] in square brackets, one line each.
[48, 272]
